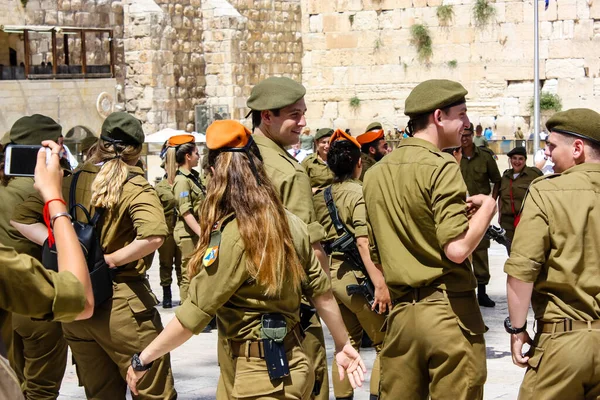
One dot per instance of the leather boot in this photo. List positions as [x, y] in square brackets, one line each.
[373, 397]
[482, 297]
[167, 300]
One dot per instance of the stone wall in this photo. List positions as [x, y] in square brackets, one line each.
[362, 49]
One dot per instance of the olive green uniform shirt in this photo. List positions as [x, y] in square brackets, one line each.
[291, 183]
[17, 190]
[367, 162]
[227, 290]
[168, 201]
[307, 142]
[352, 211]
[479, 171]
[318, 172]
[138, 214]
[520, 184]
[189, 195]
[416, 203]
[556, 245]
[480, 141]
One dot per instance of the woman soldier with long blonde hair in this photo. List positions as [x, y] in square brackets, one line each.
[253, 262]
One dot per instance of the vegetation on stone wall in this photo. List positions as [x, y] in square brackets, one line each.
[452, 64]
[445, 14]
[24, 3]
[378, 44]
[548, 102]
[421, 39]
[354, 103]
[351, 18]
[483, 12]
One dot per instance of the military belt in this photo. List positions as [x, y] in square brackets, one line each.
[566, 325]
[254, 348]
[126, 279]
[428, 293]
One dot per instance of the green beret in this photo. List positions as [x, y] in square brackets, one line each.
[518, 151]
[274, 93]
[373, 126]
[87, 143]
[323, 132]
[581, 122]
[34, 129]
[124, 127]
[433, 94]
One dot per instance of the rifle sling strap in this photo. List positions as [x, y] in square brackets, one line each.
[333, 213]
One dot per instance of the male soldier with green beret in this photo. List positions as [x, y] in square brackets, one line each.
[478, 169]
[278, 109]
[38, 350]
[316, 164]
[373, 146]
[434, 344]
[554, 265]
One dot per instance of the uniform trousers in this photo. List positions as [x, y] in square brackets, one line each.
[103, 345]
[39, 356]
[169, 257]
[563, 366]
[481, 265]
[434, 346]
[187, 245]
[247, 377]
[358, 318]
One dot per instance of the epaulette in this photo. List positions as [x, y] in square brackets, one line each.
[487, 150]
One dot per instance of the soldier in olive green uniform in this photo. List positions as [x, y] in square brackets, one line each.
[278, 109]
[479, 169]
[243, 298]
[356, 312]
[434, 343]
[131, 229]
[189, 193]
[554, 265]
[373, 146]
[513, 187]
[316, 164]
[39, 354]
[479, 140]
[169, 255]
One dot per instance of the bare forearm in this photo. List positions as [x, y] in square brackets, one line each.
[173, 336]
[135, 250]
[37, 233]
[362, 243]
[322, 257]
[519, 298]
[330, 313]
[190, 220]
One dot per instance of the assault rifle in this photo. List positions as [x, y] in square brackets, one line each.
[346, 244]
[498, 235]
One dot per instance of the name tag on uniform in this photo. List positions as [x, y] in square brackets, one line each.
[184, 194]
[212, 251]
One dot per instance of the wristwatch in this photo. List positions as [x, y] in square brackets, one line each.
[513, 331]
[137, 364]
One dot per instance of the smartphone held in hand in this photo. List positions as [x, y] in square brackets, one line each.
[20, 160]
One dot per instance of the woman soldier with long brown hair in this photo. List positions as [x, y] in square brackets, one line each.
[252, 263]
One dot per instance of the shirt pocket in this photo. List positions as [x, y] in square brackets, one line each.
[252, 379]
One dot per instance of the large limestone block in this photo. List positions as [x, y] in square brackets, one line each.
[595, 9]
[509, 106]
[514, 12]
[567, 9]
[341, 40]
[561, 49]
[564, 68]
[390, 20]
[583, 30]
[577, 88]
[330, 111]
[365, 21]
[338, 22]
[348, 5]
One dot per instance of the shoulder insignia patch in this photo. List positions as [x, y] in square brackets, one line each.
[184, 194]
[212, 251]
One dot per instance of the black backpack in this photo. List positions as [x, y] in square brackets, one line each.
[89, 238]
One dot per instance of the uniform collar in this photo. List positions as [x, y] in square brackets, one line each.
[413, 141]
[187, 172]
[93, 168]
[263, 141]
[510, 172]
[585, 167]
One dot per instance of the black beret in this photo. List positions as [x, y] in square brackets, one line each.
[518, 151]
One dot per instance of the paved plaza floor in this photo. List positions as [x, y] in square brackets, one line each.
[195, 363]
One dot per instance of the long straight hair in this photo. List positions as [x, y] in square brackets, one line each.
[271, 258]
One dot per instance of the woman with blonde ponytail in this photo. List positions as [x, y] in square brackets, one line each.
[132, 226]
[253, 262]
[181, 157]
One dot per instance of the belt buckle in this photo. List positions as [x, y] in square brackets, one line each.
[568, 325]
[416, 295]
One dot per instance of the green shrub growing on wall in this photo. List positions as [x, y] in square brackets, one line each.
[445, 14]
[452, 64]
[421, 39]
[548, 102]
[354, 103]
[483, 12]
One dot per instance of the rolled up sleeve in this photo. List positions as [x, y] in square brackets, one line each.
[448, 202]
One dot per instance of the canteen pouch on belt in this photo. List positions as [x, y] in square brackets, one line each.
[273, 331]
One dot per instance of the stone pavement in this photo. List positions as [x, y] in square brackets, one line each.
[195, 363]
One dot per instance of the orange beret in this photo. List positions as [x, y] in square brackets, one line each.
[178, 140]
[370, 137]
[341, 135]
[226, 133]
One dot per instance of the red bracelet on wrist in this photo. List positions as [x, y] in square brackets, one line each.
[48, 222]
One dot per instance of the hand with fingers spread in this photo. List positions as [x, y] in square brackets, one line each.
[517, 341]
[350, 362]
